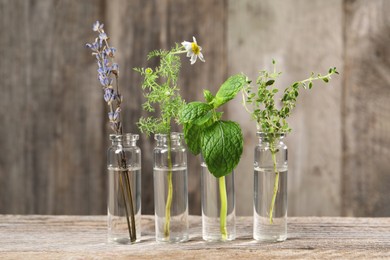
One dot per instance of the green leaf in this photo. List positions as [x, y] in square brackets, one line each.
[326, 80]
[229, 89]
[208, 96]
[193, 111]
[192, 134]
[221, 145]
[270, 82]
[204, 119]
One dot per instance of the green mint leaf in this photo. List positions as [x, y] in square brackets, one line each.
[204, 119]
[208, 96]
[221, 145]
[192, 134]
[229, 89]
[193, 111]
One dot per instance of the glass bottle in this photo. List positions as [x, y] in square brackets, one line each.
[218, 206]
[124, 189]
[270, 188]
[170, 188]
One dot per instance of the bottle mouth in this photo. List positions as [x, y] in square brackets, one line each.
[124, 137]
[174, 136]
[267, 136]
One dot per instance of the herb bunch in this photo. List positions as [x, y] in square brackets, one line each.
[219, 141]
[108, 75]
[268, 117]
[270, 120]
[162, 90]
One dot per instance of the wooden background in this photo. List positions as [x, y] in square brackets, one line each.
[53, 134]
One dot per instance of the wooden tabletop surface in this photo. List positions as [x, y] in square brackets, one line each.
[84, 237]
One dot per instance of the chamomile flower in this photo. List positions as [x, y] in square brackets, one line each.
[193, 50]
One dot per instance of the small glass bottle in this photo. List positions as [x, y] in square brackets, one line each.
[270, 188]
[170, 188]
[218, 206]
[124, 189]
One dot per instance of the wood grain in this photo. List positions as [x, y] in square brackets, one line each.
[52, 159]
[366, 174]
[138, 27]
[54, 134]
[82, 237]
[302, 36]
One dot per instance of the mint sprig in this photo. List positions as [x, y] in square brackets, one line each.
[221, 146]
[220, 142]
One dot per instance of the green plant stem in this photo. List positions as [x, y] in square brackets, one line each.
[170, 192]
[276, 185]
[223, 212]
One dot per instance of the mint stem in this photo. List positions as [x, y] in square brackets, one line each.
[223, 213]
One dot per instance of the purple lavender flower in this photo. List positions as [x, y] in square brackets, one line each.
[93, 46]
[110, 52]
[114, 116]
[97, 26]
[107, 72]
[115, 68]
[109, 95]
[105, 81]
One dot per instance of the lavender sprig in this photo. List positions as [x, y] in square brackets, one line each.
[108, 73]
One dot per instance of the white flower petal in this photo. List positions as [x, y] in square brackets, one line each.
[201, 57]
[193, 59]
[186, 45]
[193, 37]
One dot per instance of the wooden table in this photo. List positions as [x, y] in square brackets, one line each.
[84, 237]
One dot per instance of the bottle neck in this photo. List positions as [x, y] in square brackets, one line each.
[270, 138]
[125, 140]
[175, 139]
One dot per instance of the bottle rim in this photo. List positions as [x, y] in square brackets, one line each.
[174, 136]
[124, 137]
[264, 135]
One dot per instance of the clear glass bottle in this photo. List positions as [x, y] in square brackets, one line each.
[124, 189]
[170, 188]
[270, 188]
[218, 206]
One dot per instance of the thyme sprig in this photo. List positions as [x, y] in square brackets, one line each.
[271, 120]
[261, 97]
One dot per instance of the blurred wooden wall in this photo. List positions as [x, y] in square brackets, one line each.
[53, 134]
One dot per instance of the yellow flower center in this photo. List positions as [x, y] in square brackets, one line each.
[195, 48]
